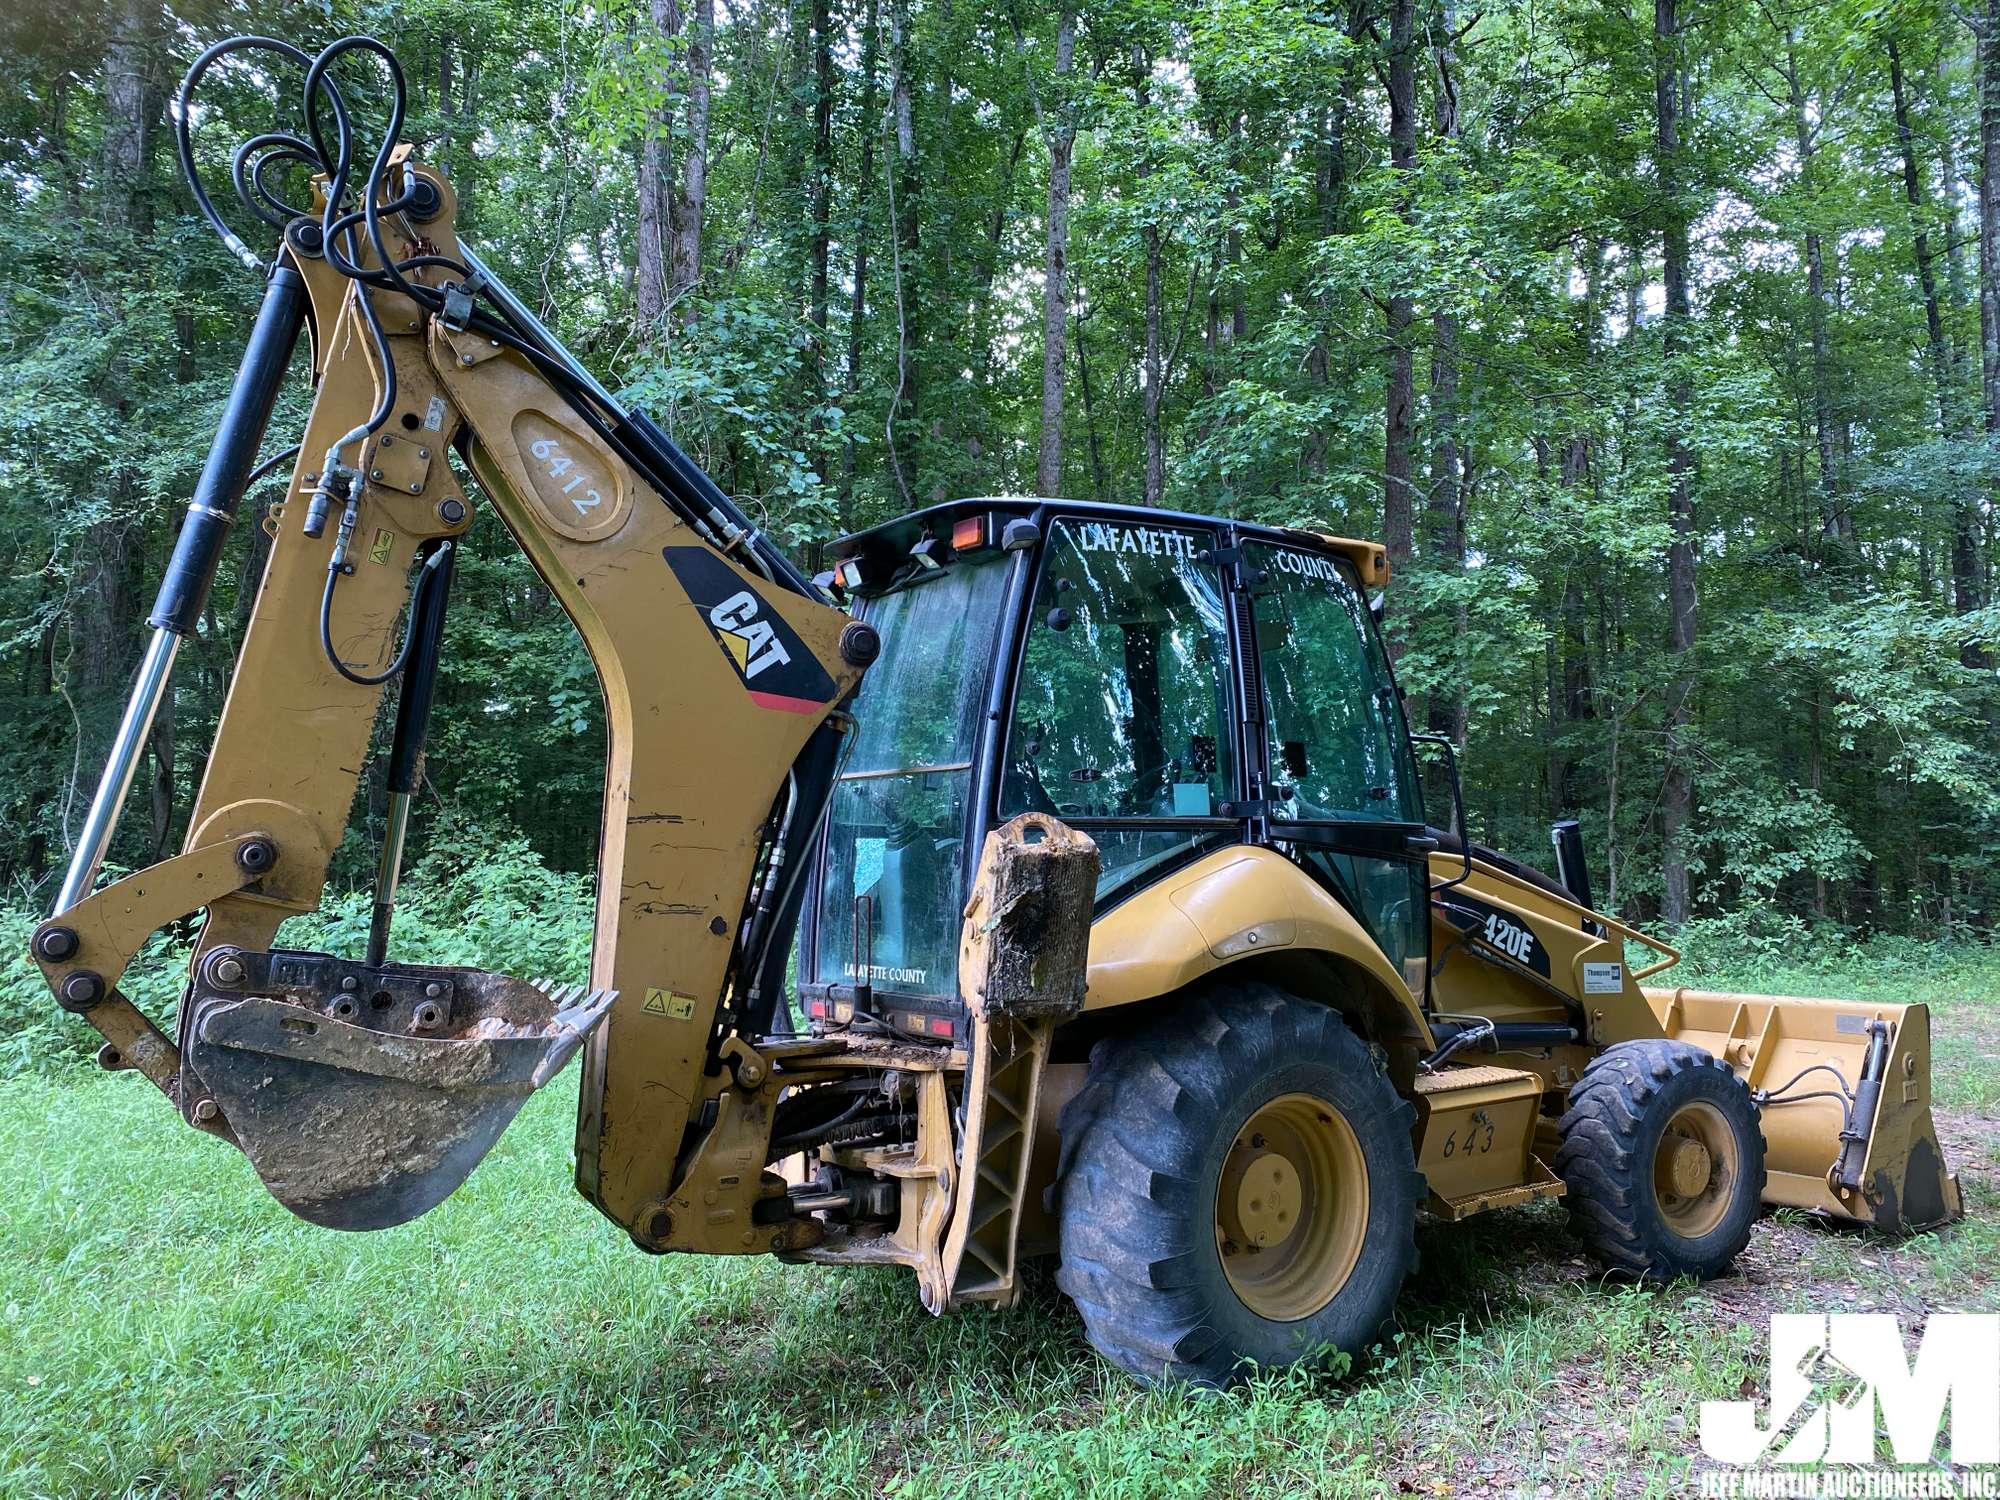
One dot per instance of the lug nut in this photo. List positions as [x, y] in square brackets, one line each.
[228, 971]
[433, 990]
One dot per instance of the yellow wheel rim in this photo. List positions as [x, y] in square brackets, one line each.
[1694, 1167]
[1291, 1209]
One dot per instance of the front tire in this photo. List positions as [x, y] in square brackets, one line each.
[1238, 1188]
[1664, 1160]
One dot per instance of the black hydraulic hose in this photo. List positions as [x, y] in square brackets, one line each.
[632, 436]
[183, 114]
[273, 462]
[251, 191]
[433, 566]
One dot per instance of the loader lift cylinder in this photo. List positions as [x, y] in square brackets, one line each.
[225, 474]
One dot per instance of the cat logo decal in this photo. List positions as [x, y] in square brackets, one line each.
[776, 667]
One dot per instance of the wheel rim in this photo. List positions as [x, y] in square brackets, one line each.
[1291, 1208]
[1693, 1168]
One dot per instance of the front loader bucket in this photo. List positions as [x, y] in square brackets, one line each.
[1844, 1089]
[364, 1098]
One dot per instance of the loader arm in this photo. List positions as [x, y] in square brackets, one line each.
[363, 1091]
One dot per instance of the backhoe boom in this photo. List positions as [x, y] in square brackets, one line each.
[363, 1092]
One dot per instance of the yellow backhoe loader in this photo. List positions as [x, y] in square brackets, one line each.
[1122, 932]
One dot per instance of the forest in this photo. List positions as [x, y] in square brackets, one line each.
[1659, 343]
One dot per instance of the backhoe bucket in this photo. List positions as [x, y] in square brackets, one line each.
[1844, 1088]
[365, 1096]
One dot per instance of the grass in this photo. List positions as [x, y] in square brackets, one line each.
[167, 1329]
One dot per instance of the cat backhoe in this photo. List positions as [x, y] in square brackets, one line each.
[1040, 878]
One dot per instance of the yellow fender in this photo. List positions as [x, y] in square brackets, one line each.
[1247, 904]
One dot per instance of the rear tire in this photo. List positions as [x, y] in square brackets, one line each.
[1664, 1160]
[1238, 1188]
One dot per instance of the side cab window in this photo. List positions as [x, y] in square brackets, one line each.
[1338, 748]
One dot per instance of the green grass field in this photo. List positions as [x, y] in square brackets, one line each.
[167, 1329]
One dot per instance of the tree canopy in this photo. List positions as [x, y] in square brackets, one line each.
[1661, 345]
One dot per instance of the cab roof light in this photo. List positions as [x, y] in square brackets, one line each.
[930, 554]
[849, 575]
[968, 534]
[1020, 535]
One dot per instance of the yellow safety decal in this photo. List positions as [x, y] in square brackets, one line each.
[667, 1003]
[385, 543]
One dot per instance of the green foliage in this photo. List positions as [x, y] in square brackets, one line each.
[1235, 205]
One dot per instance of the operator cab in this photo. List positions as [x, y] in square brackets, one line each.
[1097, 662]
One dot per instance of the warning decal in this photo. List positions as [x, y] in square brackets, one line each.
[667, 1003]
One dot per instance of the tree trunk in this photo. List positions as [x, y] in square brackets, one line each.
[1835, 520]
[905, 193]
[864, 195]
[1677, 793]
[656, 187]
[1444, 507]
[1948, 201]
[1988, 43]
[820, 207]
[690, 198]
[1239, 312]
[1153, 370]
[1967, 580]
[1100, 482]
[1329, 195]
[104, 599]
[1055, 264]
[1399, 414]
[1937, 347]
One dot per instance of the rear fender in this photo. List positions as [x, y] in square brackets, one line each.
[1250, 906]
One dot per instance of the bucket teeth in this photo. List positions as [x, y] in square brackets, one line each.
[577, 1013]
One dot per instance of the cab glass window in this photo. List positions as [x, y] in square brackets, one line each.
[1120, 711]
[895, 836]
[1339, 751]
[1337, 744]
